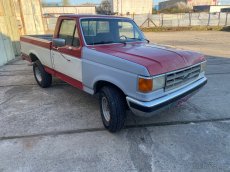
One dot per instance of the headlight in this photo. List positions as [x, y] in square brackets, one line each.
[158, 82]
[148, 84]
[203, 66]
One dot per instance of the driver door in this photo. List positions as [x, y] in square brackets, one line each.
[67, 59]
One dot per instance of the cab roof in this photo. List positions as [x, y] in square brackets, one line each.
[92, 16]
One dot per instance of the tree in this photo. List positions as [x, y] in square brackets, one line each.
[104, 8]
[65, 2]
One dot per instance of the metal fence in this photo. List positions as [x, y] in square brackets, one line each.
[182, 19]
[165, 20]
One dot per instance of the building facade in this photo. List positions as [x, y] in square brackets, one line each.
[69, 9]
[124, 7]
[219, 8]
[188, 3]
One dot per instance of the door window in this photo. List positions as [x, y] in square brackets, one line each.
[68, 31]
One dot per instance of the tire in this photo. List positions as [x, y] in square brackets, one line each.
[113, 113]
[43, 78]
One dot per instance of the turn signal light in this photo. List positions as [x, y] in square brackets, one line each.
[145, 84]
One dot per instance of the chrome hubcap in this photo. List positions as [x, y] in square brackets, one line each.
[38, 74]
[105, 108]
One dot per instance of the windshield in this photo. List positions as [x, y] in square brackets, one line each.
[106, 31]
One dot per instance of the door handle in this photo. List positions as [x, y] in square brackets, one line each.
[56, 48]
[70, 48]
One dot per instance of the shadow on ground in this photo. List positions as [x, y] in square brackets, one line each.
[60, 129]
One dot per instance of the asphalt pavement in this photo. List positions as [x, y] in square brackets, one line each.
[60, 129]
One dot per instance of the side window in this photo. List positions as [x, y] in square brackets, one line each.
[68, 31]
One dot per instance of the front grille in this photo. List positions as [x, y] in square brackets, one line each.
[181, 77]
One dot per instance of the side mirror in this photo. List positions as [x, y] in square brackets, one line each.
[59, 42]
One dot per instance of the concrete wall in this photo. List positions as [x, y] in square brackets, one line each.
[122, 7]
[188, 3]
[192, 3]
[215, 9]
[69, 10]
[170, 4]
[50, 14]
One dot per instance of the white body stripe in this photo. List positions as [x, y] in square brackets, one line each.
[55, 60]
[68, 65]
[43, 54]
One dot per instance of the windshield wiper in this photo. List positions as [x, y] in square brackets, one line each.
[139, 39]
[102, 42]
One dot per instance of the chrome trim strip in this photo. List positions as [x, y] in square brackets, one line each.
[184, 68]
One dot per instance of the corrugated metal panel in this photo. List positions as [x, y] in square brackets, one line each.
[31, 14]
[8, 32]
[17, 17]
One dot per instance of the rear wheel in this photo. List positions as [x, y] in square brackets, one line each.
[113, 108]
[43, 78]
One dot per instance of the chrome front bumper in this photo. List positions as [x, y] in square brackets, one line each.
[150, 108]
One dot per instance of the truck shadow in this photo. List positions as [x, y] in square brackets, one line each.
[208, 104]
[65, 108]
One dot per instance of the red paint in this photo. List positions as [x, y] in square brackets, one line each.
[49, 70]
[25, 57]
[75, 51]
[157, 59]
[70, 17]
[65, 78]
[36, 41]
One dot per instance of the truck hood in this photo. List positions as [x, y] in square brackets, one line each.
[157, 59]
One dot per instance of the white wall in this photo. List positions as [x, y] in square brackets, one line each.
[132, 6]
[70, 10]
[216, 9]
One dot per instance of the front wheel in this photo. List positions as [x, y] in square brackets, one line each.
[113, 108]
[43, 78]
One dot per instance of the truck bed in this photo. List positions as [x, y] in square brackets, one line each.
[39, 46]
[44, 41]
[45, 37]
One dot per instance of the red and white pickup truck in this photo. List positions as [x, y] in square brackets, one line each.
[110, 56]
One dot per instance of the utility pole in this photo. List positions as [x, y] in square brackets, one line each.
[117, 7]
[121, 8]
